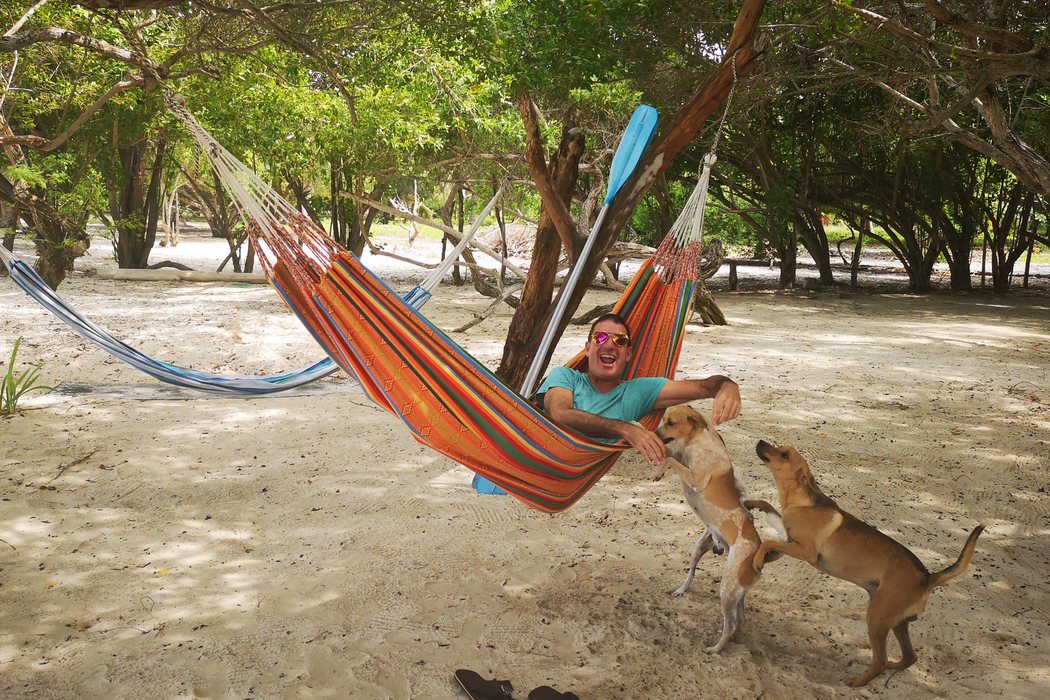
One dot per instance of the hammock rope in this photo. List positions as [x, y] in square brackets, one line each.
[448, 400]
[33, 285]
[36, 288]
[681, 247]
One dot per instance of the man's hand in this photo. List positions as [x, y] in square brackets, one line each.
[645, 441]
[727, 403]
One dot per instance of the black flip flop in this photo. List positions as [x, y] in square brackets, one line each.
[545, 692]
[477, 688]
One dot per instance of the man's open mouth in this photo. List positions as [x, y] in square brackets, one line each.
[607, 359]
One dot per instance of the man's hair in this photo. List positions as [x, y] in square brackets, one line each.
[609, 317]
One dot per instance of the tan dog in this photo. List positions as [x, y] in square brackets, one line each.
[839, 544]
[696, 451]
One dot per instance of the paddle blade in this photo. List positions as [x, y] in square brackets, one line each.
[635, 140]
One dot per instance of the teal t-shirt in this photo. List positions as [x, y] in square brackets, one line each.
[627, 402]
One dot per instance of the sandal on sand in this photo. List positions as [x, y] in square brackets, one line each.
[477, 688]
[545, 692]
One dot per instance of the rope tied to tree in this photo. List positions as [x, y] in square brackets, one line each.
[678, 256]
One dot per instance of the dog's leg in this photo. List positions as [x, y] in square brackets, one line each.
[703, 545]
[759, 504]
[774, 517]
[878, 630]
[908, 655]
[733, 590]
[791, 549]
[732, 594]
[685, 472]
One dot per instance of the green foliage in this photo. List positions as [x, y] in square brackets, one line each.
[16, 385]
[32, 176]
[405, 93]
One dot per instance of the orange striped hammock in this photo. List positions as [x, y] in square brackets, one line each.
[406, 365]
[449, 400]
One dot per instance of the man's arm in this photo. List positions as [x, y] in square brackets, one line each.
[558, 403]
[724, 390]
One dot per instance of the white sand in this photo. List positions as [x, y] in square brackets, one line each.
[163, 544]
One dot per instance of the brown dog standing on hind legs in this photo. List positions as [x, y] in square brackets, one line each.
[696, 451]
[839, 544]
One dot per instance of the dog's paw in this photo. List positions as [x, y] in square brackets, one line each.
[679, 592]
[658, 472]
[858, 681]
[759, 560]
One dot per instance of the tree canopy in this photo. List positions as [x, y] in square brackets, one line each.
[922, 127]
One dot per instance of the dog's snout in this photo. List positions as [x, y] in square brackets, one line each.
[667, 440]
[760, 449]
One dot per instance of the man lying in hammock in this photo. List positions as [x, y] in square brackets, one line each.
[600, 404]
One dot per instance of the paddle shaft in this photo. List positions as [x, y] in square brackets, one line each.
[629, 151]
[563, 301]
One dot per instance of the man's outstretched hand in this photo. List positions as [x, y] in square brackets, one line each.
[647, 442]
[727, 403]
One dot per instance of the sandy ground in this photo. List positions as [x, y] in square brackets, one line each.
[159, 543]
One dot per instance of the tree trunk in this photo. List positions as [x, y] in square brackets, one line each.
[351, 220]
[741, 57]
[705, 305]
[703, 301]
[536, 295]
[815, 239]
[1006, 249]
[302, 196]
[9, 228]
[134, 204]
[854, 264]
[661, 210]
[58, 239]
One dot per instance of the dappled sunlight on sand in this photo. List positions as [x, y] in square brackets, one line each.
[305, 545]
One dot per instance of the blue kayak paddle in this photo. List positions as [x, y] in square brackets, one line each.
[635, 140]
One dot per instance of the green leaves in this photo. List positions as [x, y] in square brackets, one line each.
[28, 174]
[16, 385]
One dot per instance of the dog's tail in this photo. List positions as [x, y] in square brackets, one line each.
[959, 567]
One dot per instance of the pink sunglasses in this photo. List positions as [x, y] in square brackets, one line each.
[619, 339]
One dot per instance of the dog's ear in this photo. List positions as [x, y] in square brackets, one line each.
[804, 476]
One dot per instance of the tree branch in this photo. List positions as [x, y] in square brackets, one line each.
[968, 27]
[458, 235]
[25, 18]
[1029, 60]
[552, 203]
[41, 144]
[29, 37]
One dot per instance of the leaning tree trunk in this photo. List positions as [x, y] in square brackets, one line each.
[537, 294]
[9, 227]
[742, 54]
[815, 239]
[445, 212]
[58, 239]
[703, 301]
